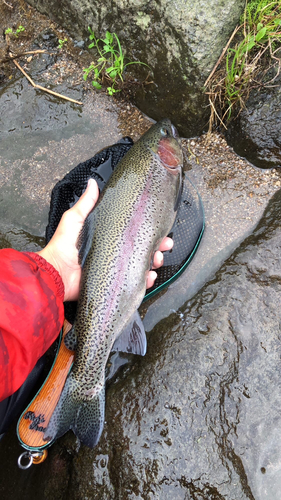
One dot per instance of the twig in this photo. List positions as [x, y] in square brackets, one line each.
[43, 88]
[11, 58]
[216, 114]
[277, 59]
[222, 55]
[8, 5]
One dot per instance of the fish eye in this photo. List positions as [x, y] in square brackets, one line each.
[164, 131]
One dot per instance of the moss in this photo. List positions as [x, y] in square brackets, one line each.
[142, 20]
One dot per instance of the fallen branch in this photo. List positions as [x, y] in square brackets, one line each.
[8, 5]
[43, 88]
[16, 56]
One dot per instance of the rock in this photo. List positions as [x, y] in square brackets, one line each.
[174, 39]
[256, 133]
[48, 39]
[199, 416]
[80, 44]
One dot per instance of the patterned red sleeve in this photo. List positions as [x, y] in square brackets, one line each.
[31, 314]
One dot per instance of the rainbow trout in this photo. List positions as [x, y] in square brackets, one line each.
[135, 211]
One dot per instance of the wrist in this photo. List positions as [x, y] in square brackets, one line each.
[63, 270]
[47, 255]
[48, 267]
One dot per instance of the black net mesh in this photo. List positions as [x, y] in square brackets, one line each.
[186, 233]
[67, 191]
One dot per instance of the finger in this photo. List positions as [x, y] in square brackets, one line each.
[151, 277]
[157, 259]
[88, 200]
[166, 244]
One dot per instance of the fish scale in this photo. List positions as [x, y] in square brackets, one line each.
[135, 211]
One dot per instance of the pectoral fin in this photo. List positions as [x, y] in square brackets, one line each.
[132, 339]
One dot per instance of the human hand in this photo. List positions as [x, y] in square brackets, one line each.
[62, 253]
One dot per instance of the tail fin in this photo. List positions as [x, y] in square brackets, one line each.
[84, 417]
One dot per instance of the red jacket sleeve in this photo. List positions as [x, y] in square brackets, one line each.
[31, 314]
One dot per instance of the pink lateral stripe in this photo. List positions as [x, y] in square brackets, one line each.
[127, 249]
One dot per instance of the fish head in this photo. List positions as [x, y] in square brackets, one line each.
[162, 139]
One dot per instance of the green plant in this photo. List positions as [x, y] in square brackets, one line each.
[62, 42]
[16, 33]
[110, 65]
[257, 46]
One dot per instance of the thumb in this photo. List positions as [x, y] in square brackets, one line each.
[88, 199]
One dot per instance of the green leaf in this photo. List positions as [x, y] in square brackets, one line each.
[112, 90]
[247, 46]
[277, 22]
[109, 36]
[259, 26]
[91, 45]
[112, 74]
[251, 44]
[96, 85]
[260, 34]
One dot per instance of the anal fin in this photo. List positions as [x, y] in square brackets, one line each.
[133, 338]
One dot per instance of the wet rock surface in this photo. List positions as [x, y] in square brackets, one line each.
[174, 39]
[256, 133]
